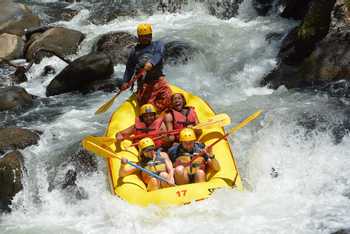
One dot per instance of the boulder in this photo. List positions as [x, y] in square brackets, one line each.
[10, 178]
[178, 52]
[117, 45]
[13, 138]
[16, 17]
[14, 97]
[262, 7]
[62, 41]
[79, 75]
[11, 46]
[295, 9]
[224, 9]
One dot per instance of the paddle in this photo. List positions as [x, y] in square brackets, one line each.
[219, 120]
[109, 154]
[109, 103]
[231, 131]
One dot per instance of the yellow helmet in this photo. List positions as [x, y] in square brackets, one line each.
[145, 142]
[144, 29]
[187, 134]
[147, 108]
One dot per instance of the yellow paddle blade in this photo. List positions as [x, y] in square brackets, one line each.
[219, 120]
[107, 105]
[98, 147]
[245, 122]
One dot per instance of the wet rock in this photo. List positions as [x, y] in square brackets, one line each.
[262, 7]
[35, 30]
[79, 75]
[11, 46]
[295, 9]
[108, 10]
[15, 18]
[342, 231]
[62, 41]
[48, 70]
[14, 98]
[10, 178]
[84, 161]
[224, 9]
[17, 138]
[178, 52]
[117, 44]
[304, 62]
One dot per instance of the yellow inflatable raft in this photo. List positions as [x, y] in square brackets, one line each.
[132, 189]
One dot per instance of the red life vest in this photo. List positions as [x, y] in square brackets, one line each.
[181, 121]
[153, 129]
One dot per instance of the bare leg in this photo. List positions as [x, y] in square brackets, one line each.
[199, 176]
[153, 184]
[164, 175]
[181, 176]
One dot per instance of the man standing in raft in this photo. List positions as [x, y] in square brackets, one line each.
[148, 55]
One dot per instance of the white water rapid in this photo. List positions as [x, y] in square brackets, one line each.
[307, 193]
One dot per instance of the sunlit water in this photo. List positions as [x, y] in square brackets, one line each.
[308, 195]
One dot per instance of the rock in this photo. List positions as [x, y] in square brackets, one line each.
[328, 63]
[11, 46]
[178, 52]
[108, 10]
[303, 58]
[117, 45]
[342, 231]
[84, 161]
[295, 9]
[62, 41]
[10, 178]
[80, 73]
[48, 70]
[15, 18]
[14, 97]
[340, 15]
[224, 9]
[262, 7]
[17, 138]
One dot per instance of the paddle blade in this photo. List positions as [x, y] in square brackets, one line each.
[107, 105]
[219, 120]
[245, 122]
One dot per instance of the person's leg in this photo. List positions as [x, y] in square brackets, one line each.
[199, 176]
[181, 175]
[163, 184]
[153, 184]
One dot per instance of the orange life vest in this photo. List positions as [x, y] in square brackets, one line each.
[153, 129]
[181, 121]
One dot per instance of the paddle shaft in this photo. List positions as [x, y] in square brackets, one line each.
[149, 173]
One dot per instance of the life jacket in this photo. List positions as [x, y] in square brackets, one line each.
[153, 129]
[157, 165]
[181, 121]
[189, 160]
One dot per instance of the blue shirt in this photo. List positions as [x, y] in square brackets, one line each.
[152, 53]
[176, 150]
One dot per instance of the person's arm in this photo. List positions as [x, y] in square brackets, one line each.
[168, 120]
[124, 133]
[126, 170]
[169, 167]
[213, 163]
[157, 56]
